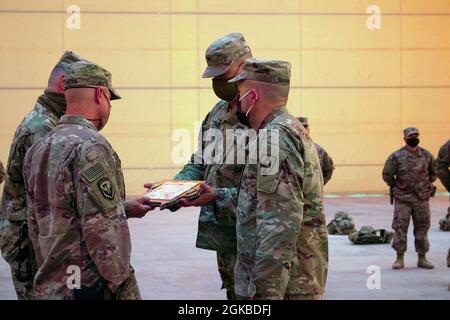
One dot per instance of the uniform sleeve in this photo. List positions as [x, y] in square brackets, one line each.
[226, 198]
[2, 172]
[102, 215]
[278, 219]
[432, 170]
[33, 232]
[13, 203]
[191, 170]
[442, 165]
[389, 171]
[33, 228]
[328, 167]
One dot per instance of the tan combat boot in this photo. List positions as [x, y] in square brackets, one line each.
[399, 264]
[424, 263]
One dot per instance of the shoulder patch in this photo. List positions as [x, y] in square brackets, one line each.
[94, 172]
[106, 188]
[92, 155]
[101, 186]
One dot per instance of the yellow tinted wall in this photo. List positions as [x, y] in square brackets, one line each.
[359, 87]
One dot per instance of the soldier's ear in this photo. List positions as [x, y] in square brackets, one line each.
[255, 96]
[98, 95]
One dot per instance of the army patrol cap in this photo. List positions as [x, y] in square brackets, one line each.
[67, 59]
[303, 121]
[222, 52]
[273, 71]
[87, 74]
[409, 131]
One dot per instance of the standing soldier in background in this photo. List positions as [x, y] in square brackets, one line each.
[410, 171]
[217, 226]
[77, 212]
[443, 172]
[326, 162]
[2, 173]
[15, 245]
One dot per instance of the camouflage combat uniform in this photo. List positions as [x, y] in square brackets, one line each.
[274, 214]
[14, 242]
[217, 226]
[77, 217]
[282, 239]
[75, 203]
[411, 174]
[2, 173]
[443, 172]
[442, 166]
[326, 164]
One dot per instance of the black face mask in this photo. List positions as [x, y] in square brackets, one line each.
[241, 115]
[223, 89]
[412, 142]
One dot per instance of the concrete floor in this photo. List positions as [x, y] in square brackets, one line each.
[168, 266]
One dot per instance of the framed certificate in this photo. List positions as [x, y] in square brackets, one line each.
[170, 192]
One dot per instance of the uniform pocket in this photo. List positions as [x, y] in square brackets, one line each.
[268, 184]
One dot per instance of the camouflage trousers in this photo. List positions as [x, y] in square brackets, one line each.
[21, 258]
[312, 259]
[129, 290]
[420, 213]
[448, 258]
[225, 263]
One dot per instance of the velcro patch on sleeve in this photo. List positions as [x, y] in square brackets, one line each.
[93, 173]
[93, 154]
[102, 186]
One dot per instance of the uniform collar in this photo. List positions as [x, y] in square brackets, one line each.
[230, 117]
[419, 151]
[70, 119]
[275, 113]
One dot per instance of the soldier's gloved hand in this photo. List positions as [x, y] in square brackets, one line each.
[137, 207]
[208, 196]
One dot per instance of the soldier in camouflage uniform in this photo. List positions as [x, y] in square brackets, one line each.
[442, 167]
[326, 162]
[271, 206]
[216, 226]
[443, 172]
[76, 206]
[14, 243]
[2, 173]
[410, 171]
